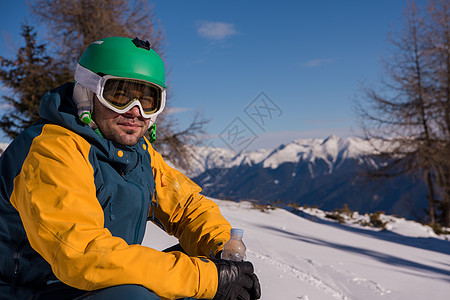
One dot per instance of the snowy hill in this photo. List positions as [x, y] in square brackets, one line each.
[298, 258]
[320, 172]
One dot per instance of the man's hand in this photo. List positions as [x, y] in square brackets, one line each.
[237, 281]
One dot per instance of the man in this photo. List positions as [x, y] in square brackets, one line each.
[78, 187]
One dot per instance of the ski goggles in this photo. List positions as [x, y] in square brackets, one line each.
[121, 94]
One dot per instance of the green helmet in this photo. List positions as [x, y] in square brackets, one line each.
[124, 57]
[117, 57]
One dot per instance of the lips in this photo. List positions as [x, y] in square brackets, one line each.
[129, 125]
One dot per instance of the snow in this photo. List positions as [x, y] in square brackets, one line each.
[304, 255]
[332, 150]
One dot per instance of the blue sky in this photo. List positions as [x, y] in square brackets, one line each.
[264, 72]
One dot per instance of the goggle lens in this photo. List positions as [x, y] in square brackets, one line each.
[121, 93]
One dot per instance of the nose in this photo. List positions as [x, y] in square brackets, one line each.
[134, 112]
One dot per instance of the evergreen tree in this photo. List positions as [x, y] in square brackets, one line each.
[27, 78]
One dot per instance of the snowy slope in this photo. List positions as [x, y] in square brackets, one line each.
[296, 258]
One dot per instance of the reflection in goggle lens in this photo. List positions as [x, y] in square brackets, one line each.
[120, 93]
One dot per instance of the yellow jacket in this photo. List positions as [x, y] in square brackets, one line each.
[57, 194]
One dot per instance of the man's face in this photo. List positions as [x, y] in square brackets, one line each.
[125, 129]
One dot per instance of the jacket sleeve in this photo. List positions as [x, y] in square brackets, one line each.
[195, 220]
[56, 198]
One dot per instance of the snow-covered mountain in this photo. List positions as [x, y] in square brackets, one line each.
[333, 150]
[306, 256]
[321, 172]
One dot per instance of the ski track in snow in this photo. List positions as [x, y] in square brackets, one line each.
[319, 283]
[376, 288]
[373, 286]
[303, 276]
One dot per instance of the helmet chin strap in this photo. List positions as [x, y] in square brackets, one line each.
[152, 133]
[83, 98]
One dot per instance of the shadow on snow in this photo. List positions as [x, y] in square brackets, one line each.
[431, 244]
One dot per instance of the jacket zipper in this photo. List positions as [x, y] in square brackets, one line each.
[136, 233]
[16, 258]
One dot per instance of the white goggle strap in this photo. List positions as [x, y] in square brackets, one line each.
[86, 80]
[89, 79]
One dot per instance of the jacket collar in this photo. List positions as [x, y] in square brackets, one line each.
[57, 107]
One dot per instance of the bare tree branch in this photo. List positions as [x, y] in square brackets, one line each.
[411, 111]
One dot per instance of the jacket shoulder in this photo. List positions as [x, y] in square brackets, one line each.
[59, 137]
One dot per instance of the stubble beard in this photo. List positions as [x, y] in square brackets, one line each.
[127, 138]
[107, 121]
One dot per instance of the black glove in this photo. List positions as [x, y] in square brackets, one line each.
[236, 281]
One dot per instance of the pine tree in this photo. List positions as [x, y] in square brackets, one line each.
[27, 78]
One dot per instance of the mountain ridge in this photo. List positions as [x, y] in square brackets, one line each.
[320, 172]
[330, 149]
